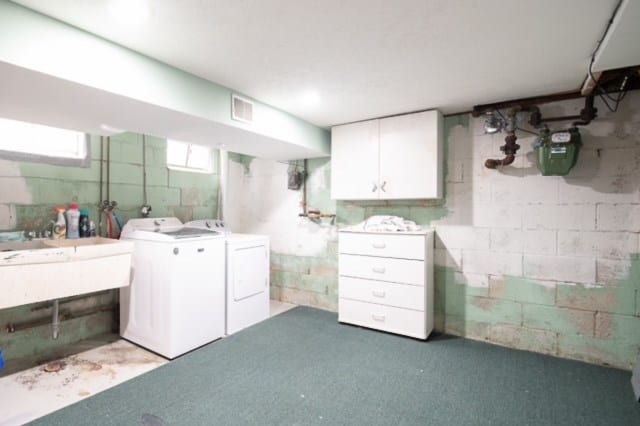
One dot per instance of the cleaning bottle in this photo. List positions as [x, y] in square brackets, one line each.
[84, 223]
[60, 226]
[73, 221]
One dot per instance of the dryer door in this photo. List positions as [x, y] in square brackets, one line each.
[249, 272]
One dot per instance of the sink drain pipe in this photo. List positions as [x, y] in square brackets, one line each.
[55, 323]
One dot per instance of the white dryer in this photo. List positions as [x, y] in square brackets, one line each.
[175, 302]
[247, 276]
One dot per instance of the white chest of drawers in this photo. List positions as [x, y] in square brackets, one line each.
[386, 281]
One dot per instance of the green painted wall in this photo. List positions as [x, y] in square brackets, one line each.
[42, 187]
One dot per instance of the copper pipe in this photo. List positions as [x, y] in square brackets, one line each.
[509, 148]
[494, 164]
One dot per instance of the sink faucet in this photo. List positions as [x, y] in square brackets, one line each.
[32, 235]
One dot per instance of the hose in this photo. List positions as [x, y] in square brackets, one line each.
[118, 222]
[109, 223]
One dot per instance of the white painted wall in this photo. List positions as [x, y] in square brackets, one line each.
[258, 202]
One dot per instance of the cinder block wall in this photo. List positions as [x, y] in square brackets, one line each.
[29, 192]
[547, 264]
[304, 260]
[542, 263]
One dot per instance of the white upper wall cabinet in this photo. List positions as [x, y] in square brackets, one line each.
[395, 158]
[354, 161]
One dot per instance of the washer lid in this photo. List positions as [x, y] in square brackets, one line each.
[163, 229]
[214, 224]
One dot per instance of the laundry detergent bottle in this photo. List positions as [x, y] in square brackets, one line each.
[60, 225]
[84, 223]
[73, 221]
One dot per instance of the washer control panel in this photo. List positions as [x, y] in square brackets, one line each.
[217, 225]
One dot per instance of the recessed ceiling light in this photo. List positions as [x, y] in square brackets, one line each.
[310, 98]
[129, 12]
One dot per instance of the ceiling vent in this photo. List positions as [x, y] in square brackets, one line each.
[241, 109]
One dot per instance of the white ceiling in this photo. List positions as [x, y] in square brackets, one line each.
[364, 58]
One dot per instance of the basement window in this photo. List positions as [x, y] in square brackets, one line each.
[22, 141]
[189, 157]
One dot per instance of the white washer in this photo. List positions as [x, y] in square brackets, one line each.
[247, 277]
[175, 302]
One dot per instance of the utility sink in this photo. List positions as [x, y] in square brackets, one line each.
[39, 270]
[22, 245]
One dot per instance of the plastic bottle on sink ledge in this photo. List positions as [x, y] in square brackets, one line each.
[84, 223]
[60, 225]
[73, 221]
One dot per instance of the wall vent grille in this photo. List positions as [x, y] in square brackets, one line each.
[241, 109]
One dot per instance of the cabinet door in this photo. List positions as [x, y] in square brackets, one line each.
[354, 161]
[411, 156]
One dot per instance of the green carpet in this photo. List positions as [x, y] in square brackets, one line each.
[302, 367]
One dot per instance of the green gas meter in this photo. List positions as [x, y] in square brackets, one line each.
[557, 152]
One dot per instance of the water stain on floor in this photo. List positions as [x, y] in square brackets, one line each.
[104, 362]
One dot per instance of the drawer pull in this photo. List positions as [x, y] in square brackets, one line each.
[378, 317]
[378, 293]
[379, 245]
[378, 270]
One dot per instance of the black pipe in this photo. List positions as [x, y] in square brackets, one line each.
[588, 113]
[478, 110]
[101, 185]
[66, 315]
[304, 187]
[108, 166]
[566, 118]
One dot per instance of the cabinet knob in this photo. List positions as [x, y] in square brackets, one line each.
[375, 188]
[383, 185]
[378, 270]
[378, 317]
[378, 293]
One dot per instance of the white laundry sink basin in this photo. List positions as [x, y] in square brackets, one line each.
[35, 271]
[22, 245]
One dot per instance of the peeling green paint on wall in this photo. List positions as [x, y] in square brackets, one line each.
[312, 277]
[452, 121]
[245, 160]
[423, 212]
[595, 324]
[170, 192]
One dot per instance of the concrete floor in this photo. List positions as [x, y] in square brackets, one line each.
[33, 393]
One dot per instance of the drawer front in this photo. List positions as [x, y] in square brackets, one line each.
[386, 318]
[401, 246]
[383, 269]
[390, 294]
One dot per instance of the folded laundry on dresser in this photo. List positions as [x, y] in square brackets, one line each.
[382, 223]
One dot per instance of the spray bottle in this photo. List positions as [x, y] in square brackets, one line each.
[60, 225]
